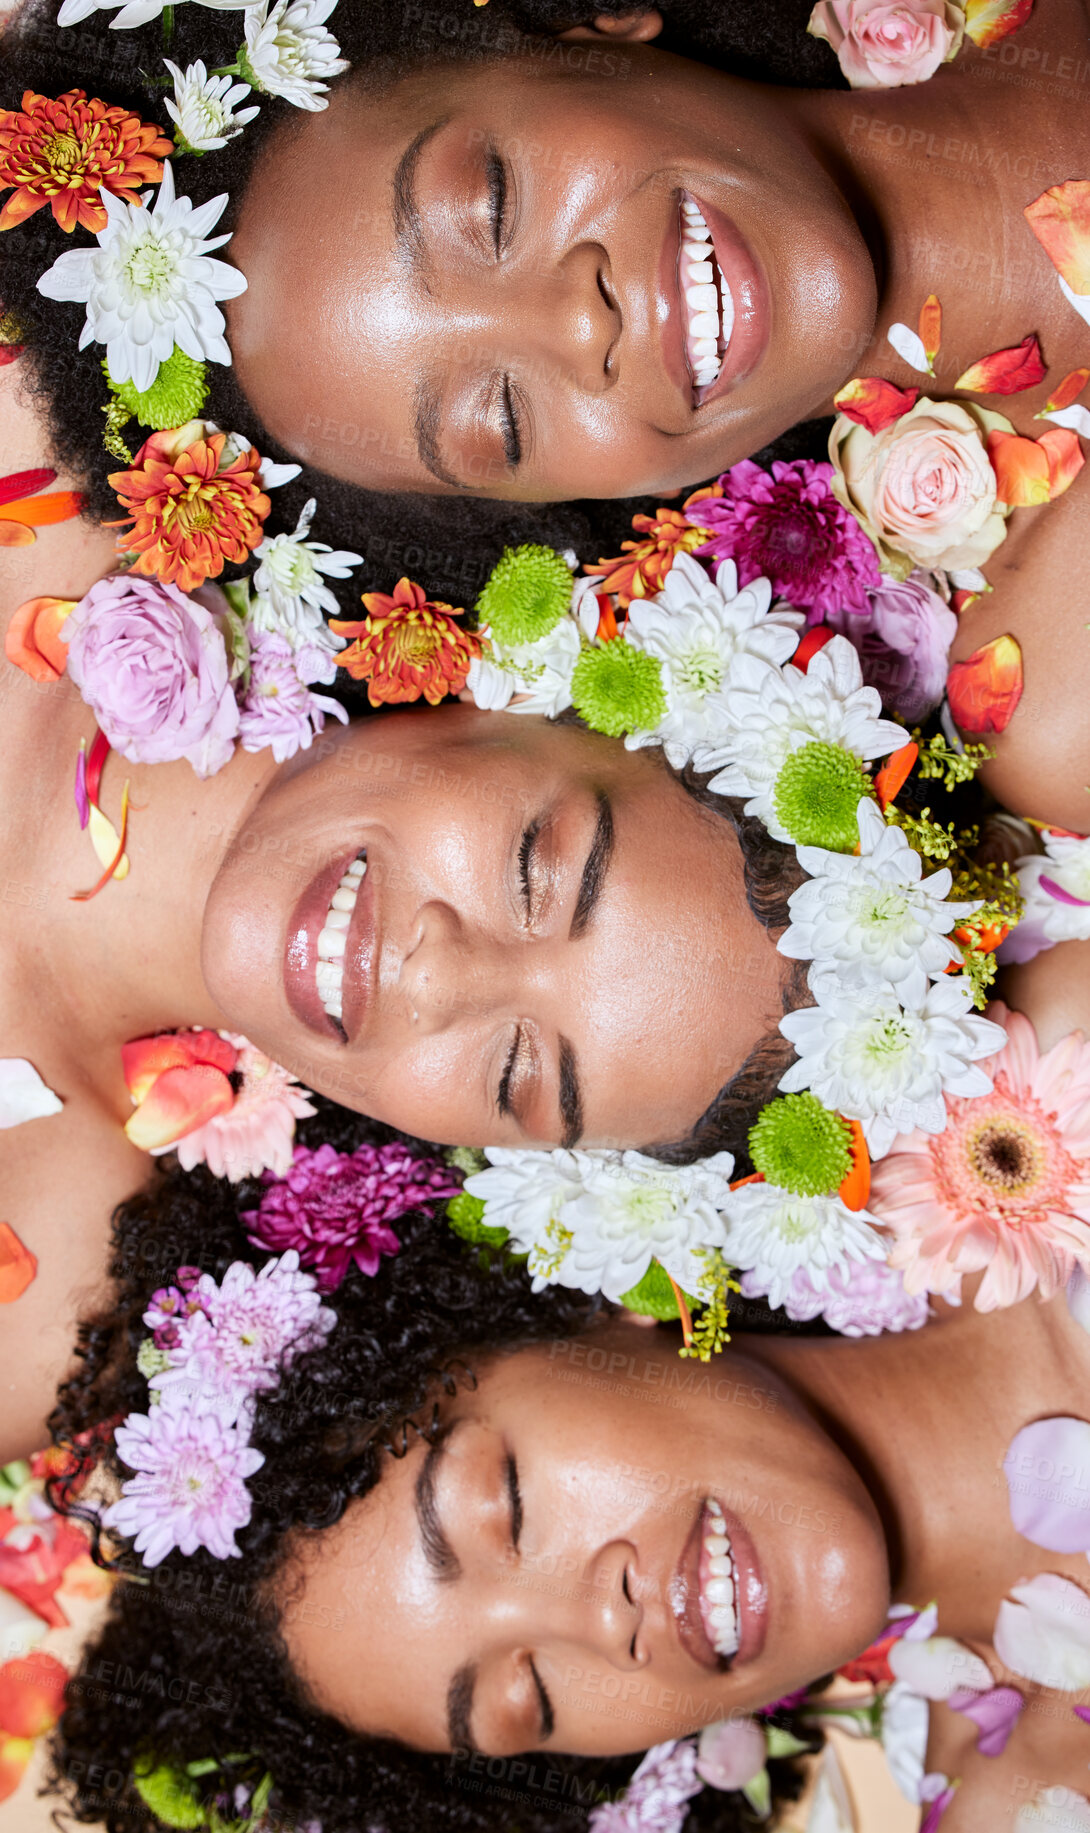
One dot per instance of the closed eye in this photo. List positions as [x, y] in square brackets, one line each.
[548, 1716]
[516, 1501]
[526, 852]
[503, 1093]
[496, 173]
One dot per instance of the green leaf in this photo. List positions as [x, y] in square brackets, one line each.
[171, 1796]
[654, 1296]
[465, 1213]
[783, 1743]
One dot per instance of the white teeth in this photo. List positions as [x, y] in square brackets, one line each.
[707, 301]
[333, 939]
[717, 1590]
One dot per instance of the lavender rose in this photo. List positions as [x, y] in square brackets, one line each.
[903, 640]
[153, 667]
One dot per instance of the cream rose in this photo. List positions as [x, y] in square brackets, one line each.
[923, 488]
[883, 44]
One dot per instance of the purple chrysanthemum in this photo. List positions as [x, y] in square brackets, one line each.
[247, 1330]
[190, 1488]
[335, 1208]
[864, 1299]
[278, 708]
[657, 1797]
[169, 1306]
[785, 525]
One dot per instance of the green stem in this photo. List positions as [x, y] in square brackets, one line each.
[168, 26]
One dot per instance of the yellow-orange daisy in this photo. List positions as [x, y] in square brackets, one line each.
[188, 515]
[408, 647]
[64, 151]
[639, 570]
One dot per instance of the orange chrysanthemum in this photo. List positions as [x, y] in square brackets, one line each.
[407, 647]
[188, 516]
[64, 152]
[639, 570]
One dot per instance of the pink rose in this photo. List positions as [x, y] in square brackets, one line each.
[923, 488]
[882, 44]
[153, 667]
[903, 640]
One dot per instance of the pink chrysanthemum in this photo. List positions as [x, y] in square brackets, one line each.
[1006, 1188]
[256, 1134]
[190, 1488]
[656, 1799]
[246, 1331]
[862, 1299]
[278, 709]
[335, 1208]
[785, 525]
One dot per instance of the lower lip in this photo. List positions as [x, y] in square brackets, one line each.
[301, 951]
[751, 1597]
[752, 313]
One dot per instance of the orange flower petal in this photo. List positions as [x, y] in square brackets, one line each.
[15, 1754]
[987, 21]
[893, 776]
[984, 690]
[874, 403]
[1065, 459]
[1068, 391]
[1060, 219]
[1021, 469]
[854, 1192]
[40, 511]
[32, 641]
[930, 326]
[145, 1058]
[31, 1694]
[179, 1101]
[17, 1265]
[961, 599]
[1006, 372]
[13, 534]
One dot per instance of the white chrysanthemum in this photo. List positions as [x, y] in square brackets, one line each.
[774, 1234]
[770, 712]
[205, 108]
[539, 673]
[1065, 869]
[872, 916]
[289, 53]
[868, 1057]
[595, 1220]
[697, 627]
[150, 284]
[291, 569]
[135, 12]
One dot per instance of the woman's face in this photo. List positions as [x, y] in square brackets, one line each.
[472, 282]
[550, 942]
[535, 1578]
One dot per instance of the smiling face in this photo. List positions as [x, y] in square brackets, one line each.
[550, 940]
[540, 1577]
[598, 274]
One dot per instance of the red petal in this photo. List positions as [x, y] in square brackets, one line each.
[984, 690]
[31, 1694]
[9, 353]
[874, 403]
[17, 1265]
[25, 483]
[930, 326]
[987, 21]
[96, 758]
[960, 599]
[1067, 392]
[145, 1058]
[15, 1754]
[1006, 372]
[893, 776]
[180, 1100]
[813, 640]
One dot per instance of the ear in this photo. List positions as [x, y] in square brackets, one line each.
[630, 28]
[638, 1320]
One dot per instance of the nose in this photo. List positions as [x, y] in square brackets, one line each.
[555, 317]
[452, 971]
[571, 1602]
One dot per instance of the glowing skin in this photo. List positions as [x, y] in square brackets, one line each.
[478, 951]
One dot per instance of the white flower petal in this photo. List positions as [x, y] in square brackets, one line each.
[1077, 418]
[1080, 301]
[23, 1094]
[909, 347]
[1044, 1633]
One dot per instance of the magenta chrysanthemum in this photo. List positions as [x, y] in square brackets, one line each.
[247, 1330]
[335, 1208]
[190, 1488]
[862, 1299]
[785, 525]
[1005, 1189]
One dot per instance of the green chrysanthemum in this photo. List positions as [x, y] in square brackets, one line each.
[618, 689]
[801, 1146]
[465, 1213]
[526, 595]
[817, 796]
[654, 1296]
[177, 394]
[171, 1797]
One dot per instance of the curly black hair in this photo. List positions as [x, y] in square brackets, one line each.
[447, 544]
[190, 1664]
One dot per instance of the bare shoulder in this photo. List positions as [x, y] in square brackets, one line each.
[1053, 990]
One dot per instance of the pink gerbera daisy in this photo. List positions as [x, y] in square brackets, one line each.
[1005, 1190]
[255, 1134]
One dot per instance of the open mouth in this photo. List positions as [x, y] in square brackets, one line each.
[706, 300]
[333, 939]
[718, 1583]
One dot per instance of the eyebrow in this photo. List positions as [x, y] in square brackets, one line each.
[460, 1708]
[427, 418]
[595, 868]
[438, 1551]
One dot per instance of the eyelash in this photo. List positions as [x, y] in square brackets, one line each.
[547, 1713]
[499, 197]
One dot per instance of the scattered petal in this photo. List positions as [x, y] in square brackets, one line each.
[145, 1058]
[180, 1101]
[909, 347]
[1060, 219]
[42, 511]
[83, 806]
[1048, 1473]
[31, 1694]
[1080, 301]
[25, 483]
[930, 328]
[987, 21]
[984, 690]
[1066, 391]
[32, 641]
[1044, 1633]
[106, 842]
[17, 1265]
[1021, 469]
[895, 773]
[874, 403]
[995, 1713]
[1006, 372]
[1065, 459]
[23, 1094]
[1054, 1809]
[938, 1667]
[1077, 418]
